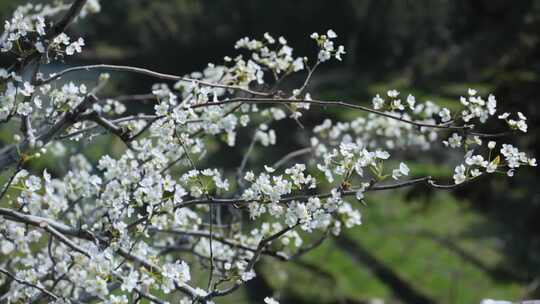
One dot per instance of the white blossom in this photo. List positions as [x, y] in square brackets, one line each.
[269, 300]
[402, 170]
[459, 174]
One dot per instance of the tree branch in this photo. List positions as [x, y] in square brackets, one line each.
[150, 73]
[23, 282]
[10, 154]
[330, 103]
[290, 156]
[66, 20]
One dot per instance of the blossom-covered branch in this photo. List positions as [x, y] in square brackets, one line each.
[107, 229]
[148, 73]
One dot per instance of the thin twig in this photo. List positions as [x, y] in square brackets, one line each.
[10, 154]
[426, 180]
[23, 282]
[243, 163]
[262, 244]
[223, 240]
[308, 77]
[211, 276]
[8, 184]
[290, 156]
[329, 103]
[151, 73]
[66, 20]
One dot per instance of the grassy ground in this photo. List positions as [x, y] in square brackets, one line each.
[433, 247]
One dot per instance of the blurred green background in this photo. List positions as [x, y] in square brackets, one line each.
[416, 245]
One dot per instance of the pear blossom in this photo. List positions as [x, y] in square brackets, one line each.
[445, 115]
[75, 47]
[378, 102]
[392, 93]
[460, 174]
[411, 101]
[269, 300]
[113, 226]
[454, 141]
[477, 160]
[402, 170]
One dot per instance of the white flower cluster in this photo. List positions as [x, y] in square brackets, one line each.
[279, 60]
[28, 27]
[175, 273]
[520, 124]
[476, 107]
[265, 187]
[374, 131]
[476, 165]
[11, 105]
[454, 141]
[327, 48]
[395, 103]
[26, 19]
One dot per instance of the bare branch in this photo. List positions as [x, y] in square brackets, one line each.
[8, 184]
[38, 221]
[151, 73]
[135, 97]
[290, 156]
[260, 248]
[114, 121]
[308, 77]
[23, 282]
[110, 126]
[9, 155]
[330, 103]
[48, 226]
[243, 163]
[66, 20]
[232, 243]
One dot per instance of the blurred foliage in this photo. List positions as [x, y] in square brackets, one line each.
[421, 245]
[482, 241]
